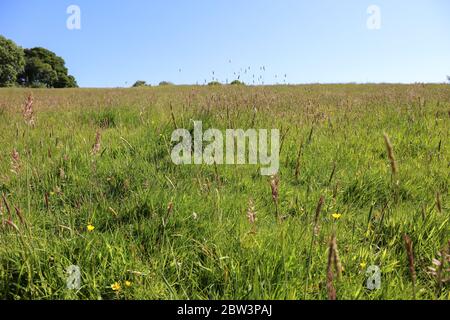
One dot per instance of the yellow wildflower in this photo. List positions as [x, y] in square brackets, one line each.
[363, 265]
[128, 283]
[90, 227]
[336, 215]
[115, 286]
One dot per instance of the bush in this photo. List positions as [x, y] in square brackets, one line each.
[37, 85]
[165, 83]
[140, 83]
[237, 82]
[214, 83]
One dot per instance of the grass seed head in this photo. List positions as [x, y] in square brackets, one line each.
[410, 254]
[251, 212]
[390, 151]
[336, 259]
[15, 161]
[62, 174]
[274, 185]
[97, 145]
[28, 114]
[330, 276]
[19, 214]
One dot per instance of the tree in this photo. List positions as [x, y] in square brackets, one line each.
[44, 68]
[12, 62]
[165, 83]
[66, 81]
[39, 73]
[140, 83]
[448, 78]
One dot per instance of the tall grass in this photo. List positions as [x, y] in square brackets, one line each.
[101, 158]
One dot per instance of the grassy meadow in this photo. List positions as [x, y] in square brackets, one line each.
[86, 179]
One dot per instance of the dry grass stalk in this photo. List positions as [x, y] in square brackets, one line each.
[9, 221]
[19, 214]
[335, 191]
[424, 214]
[297, 165]
[12, 224]
[7, 206]
[15, 161]
[274, 186]
[330, 288]
[62, 174]
[315, 233]
[28, 114]
[251, 215]
[169, 209]
[441, 268]
[410, 254]
[333, 171]
[310, 135]
[390, 151]
[333, 262]
[283, 138]
[47, 204]
[172, 115]
[1, 213]
[330, 275]
[216, 173]
[336, 259]
[168, 213]
[438, 202]
[97, 145]
[316, 216]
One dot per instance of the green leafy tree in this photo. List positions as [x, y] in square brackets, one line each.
[45, 68]
[39, 73]
[12, 62]
[140, 83]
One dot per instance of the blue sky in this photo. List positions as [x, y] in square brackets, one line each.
[186, 41]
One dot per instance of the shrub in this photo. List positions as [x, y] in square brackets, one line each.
[140, 83]
[165, 83]
[237, 82]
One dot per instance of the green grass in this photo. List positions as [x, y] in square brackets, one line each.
[124, 191]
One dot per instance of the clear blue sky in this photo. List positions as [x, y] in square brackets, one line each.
[309, 41]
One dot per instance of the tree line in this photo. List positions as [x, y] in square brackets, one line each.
[35, 67]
